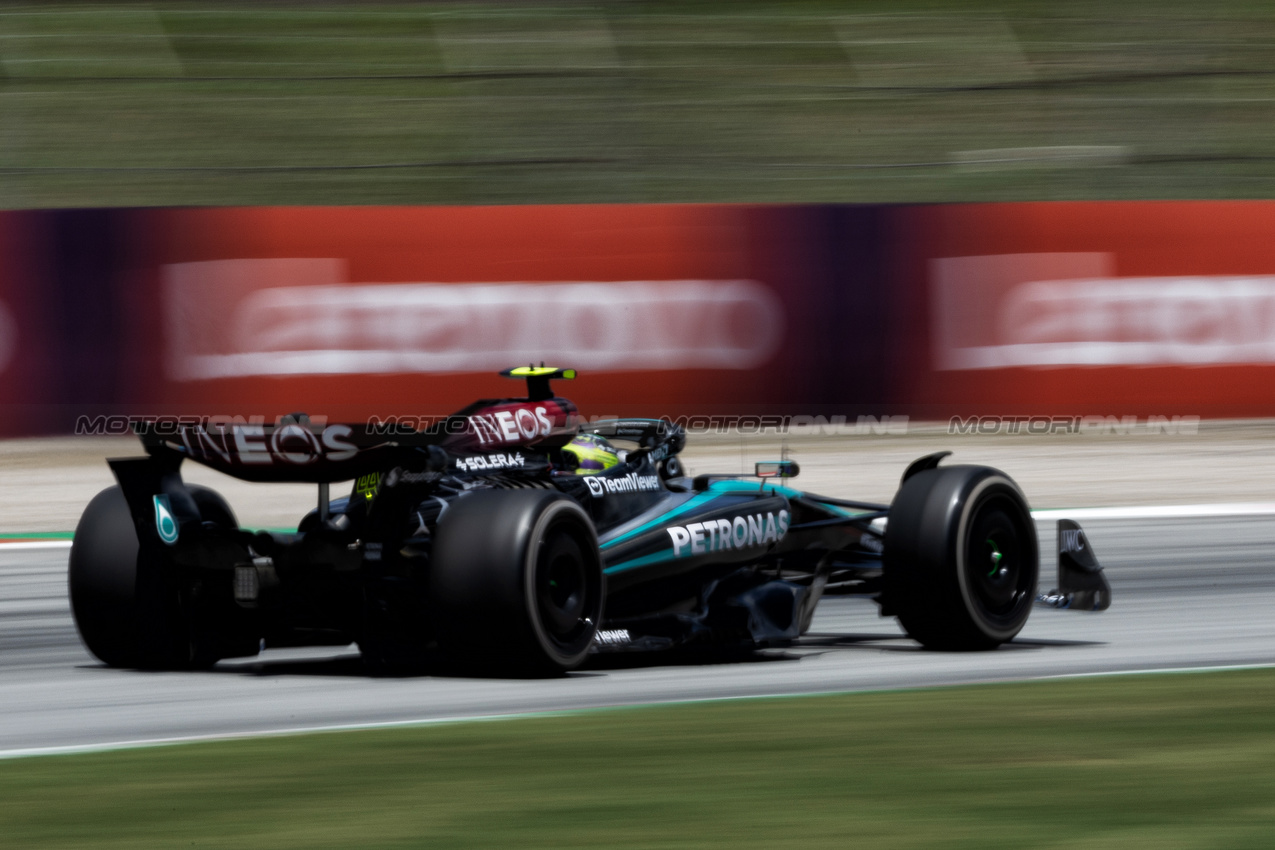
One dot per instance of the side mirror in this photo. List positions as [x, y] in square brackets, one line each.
[776, 469]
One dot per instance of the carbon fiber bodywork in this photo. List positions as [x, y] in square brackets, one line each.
[722, 560]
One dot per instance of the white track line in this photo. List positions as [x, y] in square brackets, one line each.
[1223, 509]
[145, 743]
[35, 544]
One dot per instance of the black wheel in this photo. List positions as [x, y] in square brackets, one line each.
[102, 580]
[516, 582]
[127, 607]
[961, 558]
[212, 506]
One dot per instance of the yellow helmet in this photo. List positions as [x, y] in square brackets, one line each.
[592, 454]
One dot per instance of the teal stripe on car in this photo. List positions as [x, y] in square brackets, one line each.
[716, 488]
[735, 486]
[724, 487]
[689, 505]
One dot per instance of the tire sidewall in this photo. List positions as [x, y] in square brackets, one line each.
[482, 582]
[558, 511]
[926, 585]
[972, 501]
[128, 607]
[102, 580]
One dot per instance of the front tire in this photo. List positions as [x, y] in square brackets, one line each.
[961, 558]
[516, 582]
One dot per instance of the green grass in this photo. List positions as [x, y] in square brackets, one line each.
[1169, 761]
[353, 103]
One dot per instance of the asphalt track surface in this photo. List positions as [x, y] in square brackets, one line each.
[1189, 593]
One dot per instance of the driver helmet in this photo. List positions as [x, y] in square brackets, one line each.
[592, 454]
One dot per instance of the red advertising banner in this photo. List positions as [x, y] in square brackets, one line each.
[412, 311]
[1050, 309]
[1076, 308]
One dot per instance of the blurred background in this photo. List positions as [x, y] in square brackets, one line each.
[813, 208]
[1038, 233]
[487, 103]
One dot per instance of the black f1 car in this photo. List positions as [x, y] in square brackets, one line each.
[514, 537]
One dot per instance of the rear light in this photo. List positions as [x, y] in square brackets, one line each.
[247, 583]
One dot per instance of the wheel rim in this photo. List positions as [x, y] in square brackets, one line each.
[563, 590]
[997, 574]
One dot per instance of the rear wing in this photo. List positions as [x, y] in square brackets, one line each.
[292, 449]
[295, 448]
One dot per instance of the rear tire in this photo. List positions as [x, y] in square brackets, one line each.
[516, 582]
[212, 506]
[102, 580]
[961, 558]
[126, 605]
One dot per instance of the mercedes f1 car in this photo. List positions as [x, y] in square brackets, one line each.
[514, 536]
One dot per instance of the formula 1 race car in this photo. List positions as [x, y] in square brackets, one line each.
[514, 537]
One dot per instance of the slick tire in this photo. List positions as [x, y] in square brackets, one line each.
[516, 583]
[127, 610]
[212, 506]
[961, 558]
